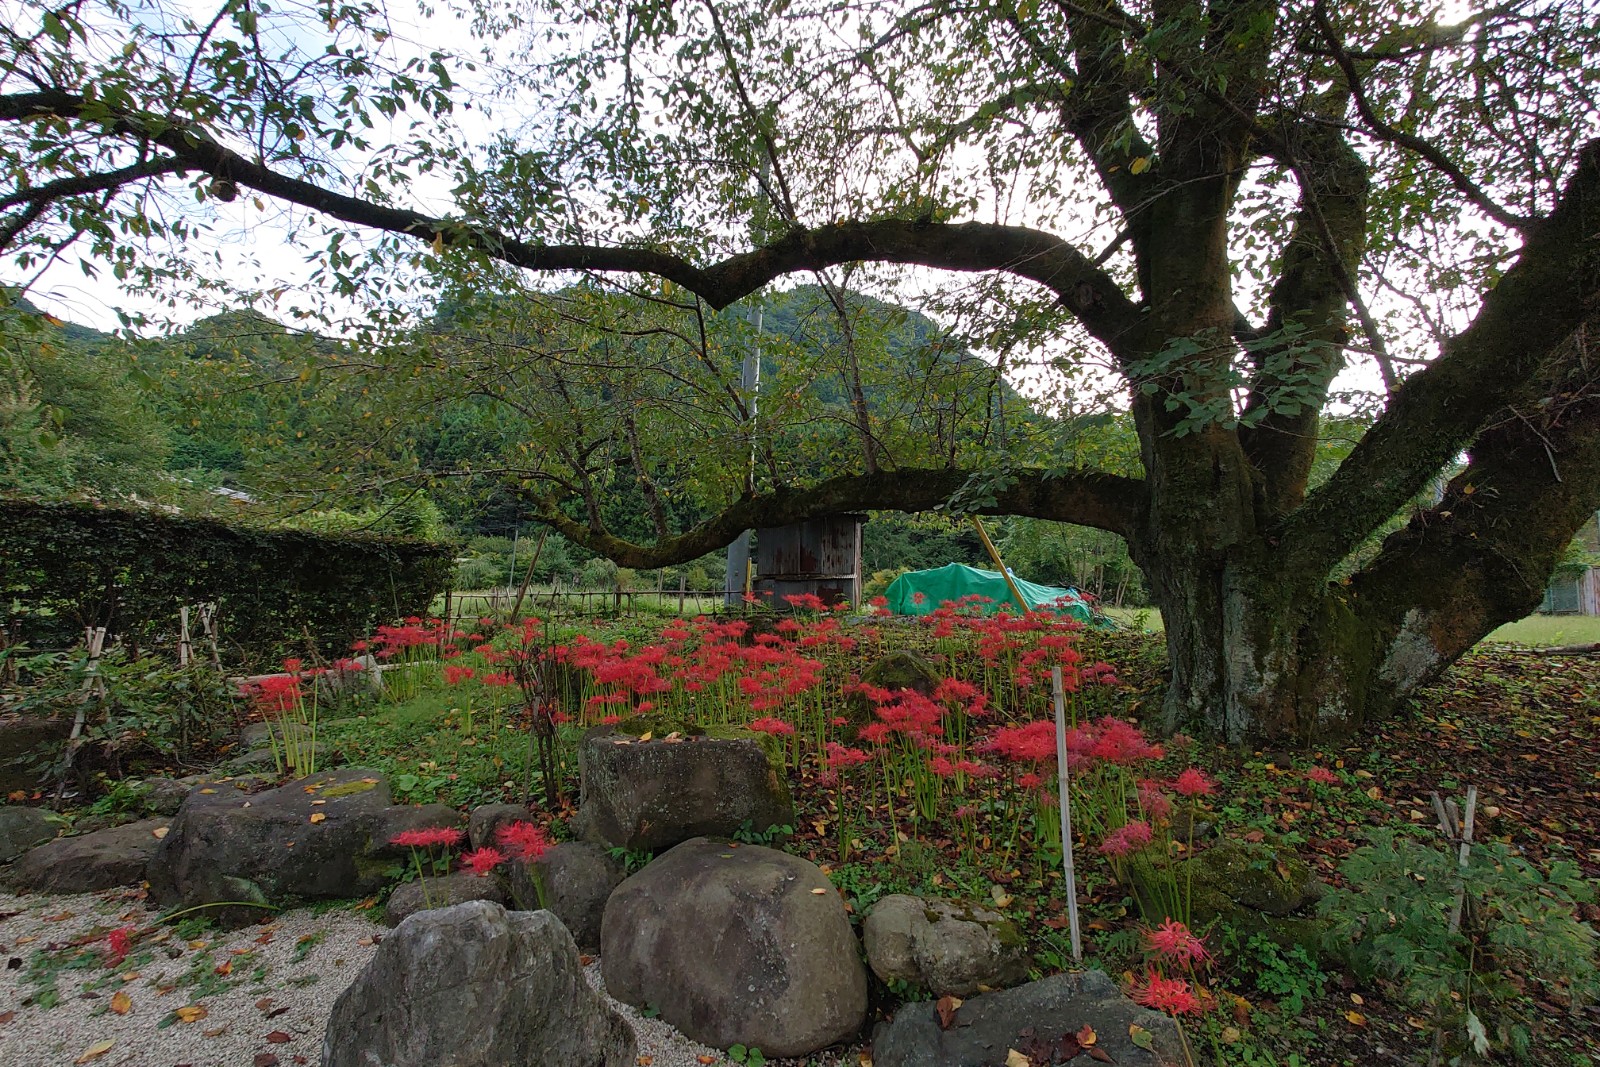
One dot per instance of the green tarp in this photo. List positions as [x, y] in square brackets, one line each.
[955, 580]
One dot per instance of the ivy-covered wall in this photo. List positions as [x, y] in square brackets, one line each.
[67, 566]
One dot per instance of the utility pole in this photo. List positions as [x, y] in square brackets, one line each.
[737, 582]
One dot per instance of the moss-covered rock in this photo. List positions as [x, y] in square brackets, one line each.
[652, 793]
[1252, 888]
[894, 671]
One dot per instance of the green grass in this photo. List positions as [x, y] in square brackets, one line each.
[1147, 618]
[1539, 631]
[1546, 630]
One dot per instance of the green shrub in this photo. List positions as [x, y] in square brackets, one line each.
[71, 566]
[1391, 921]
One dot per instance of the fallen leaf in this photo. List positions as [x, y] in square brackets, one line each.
[197, 945]
[645, 736]
[365, 941]
[1097, 1053]
[819, 892]
[946, 1007]
[708, 1059]
[224, 968]
[1141, 1037]
[1017, 1059]
[191, 1013]
[159, 832]
[1001, 898]
[1356, 1018]
[208, 790]
[645, 1061]
[121, 1003]
[317, 816]
[278, 1037]
[1355, 998]
[95, 1051]
[1231, 1035]
[266, 1059]
[1087, 1036]
[7, 1016]
[217, 1031]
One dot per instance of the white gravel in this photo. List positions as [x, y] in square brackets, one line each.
[266, 991]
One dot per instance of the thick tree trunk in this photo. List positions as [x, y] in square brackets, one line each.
[1262, 653]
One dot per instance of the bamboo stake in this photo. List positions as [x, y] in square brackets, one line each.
[1063, 785]
[994, 554]
[185, 646]
[527, 578]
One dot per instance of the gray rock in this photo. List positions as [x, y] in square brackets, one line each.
[574, 880]
[265, 761]
[737, 944]
[942, 946]
[88, 862]
[476, 986]
[986, 1026]
[22, 829]
[486, 820]
[651, 795]
[162, 796]
[442, 892]
[323, 837]
[263, 734]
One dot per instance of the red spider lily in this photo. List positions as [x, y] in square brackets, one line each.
[840, 756]
[775, 727]
[428, 837]
[1171, 995]
[118, 944]
[1323, 775]
[1194, 783]
[457, 675]
[523, 840]
[1127, 839]
[358, 646]
[1174, 941]
[293, 664]
[498, 678]
[274, 693]
[481, 861]
[1031, 742]
[1153, 802]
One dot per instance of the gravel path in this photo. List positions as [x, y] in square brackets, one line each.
[257, 997]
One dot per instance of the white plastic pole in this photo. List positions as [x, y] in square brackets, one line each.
[1066, 813]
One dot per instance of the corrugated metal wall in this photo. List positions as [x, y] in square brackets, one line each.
[821, 556]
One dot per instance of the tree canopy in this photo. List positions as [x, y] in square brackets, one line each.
[1210, 209]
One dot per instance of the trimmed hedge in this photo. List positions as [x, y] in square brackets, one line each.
[69, 566]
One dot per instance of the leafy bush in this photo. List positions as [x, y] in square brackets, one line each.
[1392, 922]
[71, 566]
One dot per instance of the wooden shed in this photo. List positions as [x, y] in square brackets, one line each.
[820, 556]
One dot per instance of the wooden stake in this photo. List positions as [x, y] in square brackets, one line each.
[994, 554]
[185, 646]
[1064, 786]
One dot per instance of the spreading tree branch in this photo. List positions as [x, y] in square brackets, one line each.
[1088, 498]
[1083, 288]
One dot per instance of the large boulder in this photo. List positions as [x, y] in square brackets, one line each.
[445, 891]
[89, 862]
[736, 944]
[321, 837]
[652, 794]
[574, 880]
[476, 986]
[22, 829]
[942, 946]
[486, 821]
[1033, 1016]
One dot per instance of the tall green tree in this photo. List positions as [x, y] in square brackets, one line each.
[1219, 204]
